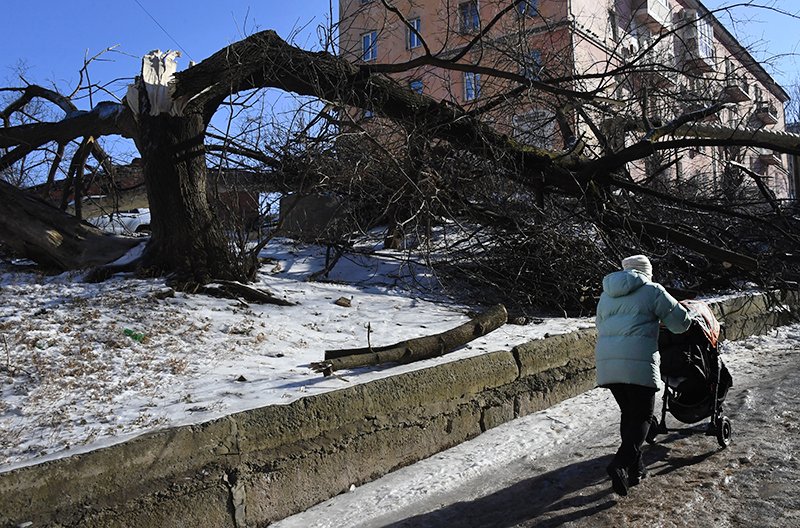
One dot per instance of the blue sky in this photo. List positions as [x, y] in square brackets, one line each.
[52, 37]
[773, 38]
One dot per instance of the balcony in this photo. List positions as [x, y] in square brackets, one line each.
[655, 14]
[736, 90]
[660, 75]
[766, 113]
[656, 64]
[695, 38]
[769, 157]
[693, 61]
[695, 106]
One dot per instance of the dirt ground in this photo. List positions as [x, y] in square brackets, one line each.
[755, 482]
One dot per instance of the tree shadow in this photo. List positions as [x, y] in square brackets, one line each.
[526, 500]
[561, 496]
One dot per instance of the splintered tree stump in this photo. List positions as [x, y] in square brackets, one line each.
[414, 349]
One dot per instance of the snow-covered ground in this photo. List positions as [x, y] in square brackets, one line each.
[71, 379]
[547, 469]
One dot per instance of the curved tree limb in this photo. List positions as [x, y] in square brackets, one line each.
[687, 133]
[64, 103]
[690, 242]
[264, 60]
[104, 119]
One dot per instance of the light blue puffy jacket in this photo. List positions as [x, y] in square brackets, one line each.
[627, 328]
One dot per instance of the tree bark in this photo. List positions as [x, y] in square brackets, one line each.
[415, 349]
[237, 290]
[58, 241]
[187, 239]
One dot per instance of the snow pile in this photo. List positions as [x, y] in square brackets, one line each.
[74, 376]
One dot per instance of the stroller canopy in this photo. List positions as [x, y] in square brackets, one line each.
[701, 312]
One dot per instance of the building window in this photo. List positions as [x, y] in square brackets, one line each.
[612, 24]
[472, 86]
[369, 46]
[468, 18]
[532, 65]
[528, 7]
[705, 39]
[733, 116]
[416, 86]
[414, 39]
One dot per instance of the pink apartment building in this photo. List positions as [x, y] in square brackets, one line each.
[642, 58]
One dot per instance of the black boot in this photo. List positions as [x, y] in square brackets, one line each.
[636, 475]
[619, 479]
[652, 432]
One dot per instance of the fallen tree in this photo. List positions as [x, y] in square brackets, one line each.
[52, 238]
[167, 115]
[416, 349]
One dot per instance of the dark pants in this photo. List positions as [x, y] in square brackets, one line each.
[636, 405]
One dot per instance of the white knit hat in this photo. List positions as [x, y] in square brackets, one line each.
[638, 263]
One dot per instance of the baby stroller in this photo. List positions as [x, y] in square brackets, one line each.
[695, 379]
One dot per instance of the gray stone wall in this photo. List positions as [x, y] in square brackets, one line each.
[258, 466]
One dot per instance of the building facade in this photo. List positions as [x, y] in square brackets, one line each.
[644, 62]
[793, 167]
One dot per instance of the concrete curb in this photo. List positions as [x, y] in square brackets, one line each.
[258, 466]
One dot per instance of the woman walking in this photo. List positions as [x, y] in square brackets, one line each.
[627, 358]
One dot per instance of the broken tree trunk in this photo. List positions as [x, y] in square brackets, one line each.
[187, 240]
[415, 349]
[34, 229]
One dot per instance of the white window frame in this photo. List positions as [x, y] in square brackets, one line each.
[369, 51]
[472, 86]
[705, 39]
[414, 40]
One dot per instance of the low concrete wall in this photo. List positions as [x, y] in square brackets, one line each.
[258, 466]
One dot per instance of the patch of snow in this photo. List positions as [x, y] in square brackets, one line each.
[71, 380]
[133, 253]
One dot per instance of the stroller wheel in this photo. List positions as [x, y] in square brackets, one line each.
[724, 431]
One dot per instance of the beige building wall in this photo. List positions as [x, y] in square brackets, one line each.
[730, 74]
[590, 37]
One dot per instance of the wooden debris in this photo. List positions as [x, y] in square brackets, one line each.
[414, 349]
[344, 302]
[233, 290]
